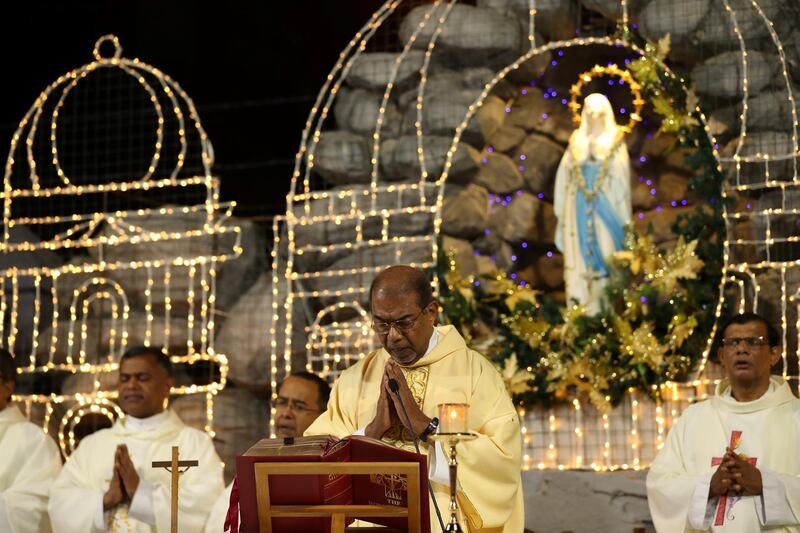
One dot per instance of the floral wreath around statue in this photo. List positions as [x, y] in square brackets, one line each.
[660, 305]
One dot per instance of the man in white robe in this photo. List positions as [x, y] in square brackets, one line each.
[108, 483]
[29, 461]
[731, 463]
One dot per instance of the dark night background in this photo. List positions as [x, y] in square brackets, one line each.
[253, 70]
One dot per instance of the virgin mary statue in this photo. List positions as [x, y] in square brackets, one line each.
[592, 201]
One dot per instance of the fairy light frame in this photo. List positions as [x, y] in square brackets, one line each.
[209, 219]
[300, 195]
[613, 70]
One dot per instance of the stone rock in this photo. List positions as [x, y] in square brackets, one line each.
[555, 19]
[516, 221]
[343, 157]
[642, 198]
[489, 243]
[245, 337]
[533, 112]
[486, 265]
[660, 220]
[358, 110]
[539, 156]
[769, 111]
[444, 112]
[373, 70]
[499, 174]
[716, 30]
[657, 145]
[240, 419]
[672, 186]
[470, 34]
[723, 123]
[507, 138]
[535, 66]
[503, 257]
[550, 270]
[776, 144]
[464, 254]
[403, 161]
[233, 276]
[610, 501]
[438, 82]
[661, 17]
[722, 74]
[547, 223]
[466, 214]
[612, 9]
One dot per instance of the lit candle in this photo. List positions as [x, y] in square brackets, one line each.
[453, 417]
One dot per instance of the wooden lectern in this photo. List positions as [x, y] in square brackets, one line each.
[338, 513]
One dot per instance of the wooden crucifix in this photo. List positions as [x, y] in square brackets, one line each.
[174, 467]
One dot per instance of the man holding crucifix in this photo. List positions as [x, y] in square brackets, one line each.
[731, 463]
[108, 483]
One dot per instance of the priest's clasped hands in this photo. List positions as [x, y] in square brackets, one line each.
[735, 475]
[389, 405]
[124, 482]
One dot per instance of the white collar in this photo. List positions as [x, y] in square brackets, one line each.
[728, 392]
[434, 340]
[150, 423]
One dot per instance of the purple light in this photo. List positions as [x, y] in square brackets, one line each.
[673, 203]
[621, 82]
[519, 192]
[545, 115]
[684, 202]
[627, 61]
[554, 63]
[493, 257]
[522, 157]
[491, 196]
[643, 299]
[522, 283]
[716, 146]
[509, 198]
[524, 244]
[642, 159]
[513, 257]
[504, 204]
[508, 109]
[611, 82]
[641, 216]
[521, 168]
[546, 96]
[476, 283]
[497, 200]
[564, 101]
[532, 83]
[524, 91]
[659, 208]
[553, 92]
[513, 276]
[549, 254]
[641, 179]
[561, 53]
[648, 135]
[491, 148]
[484, 160]
[477, 252]
[622, 110]
[653, 192]
[540, 195]
[748, 205]
[487, 231]
[649, 182]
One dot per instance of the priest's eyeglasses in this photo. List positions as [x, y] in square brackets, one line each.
[403, 325]
[750, 342]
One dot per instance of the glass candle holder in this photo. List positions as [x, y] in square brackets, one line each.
[453, 417]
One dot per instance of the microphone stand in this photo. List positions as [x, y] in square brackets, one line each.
[395, 388]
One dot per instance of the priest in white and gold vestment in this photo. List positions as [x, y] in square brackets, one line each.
[108, 483]
[433, 365]
[732, 463]
[29, 462]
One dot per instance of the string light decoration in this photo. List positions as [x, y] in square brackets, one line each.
[111, 246]
[576, 91]
[575, 435]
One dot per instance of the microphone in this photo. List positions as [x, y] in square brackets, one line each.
[395, 388]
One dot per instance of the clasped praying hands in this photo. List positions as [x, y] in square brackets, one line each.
[389, 406]
[124, 481]
[735, 475]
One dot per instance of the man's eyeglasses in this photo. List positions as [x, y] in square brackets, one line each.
[403, 325]
[297, 407]
[752, 342]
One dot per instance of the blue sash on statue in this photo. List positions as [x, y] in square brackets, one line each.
[601, 209]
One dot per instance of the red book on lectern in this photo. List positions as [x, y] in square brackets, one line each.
[334, 489]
